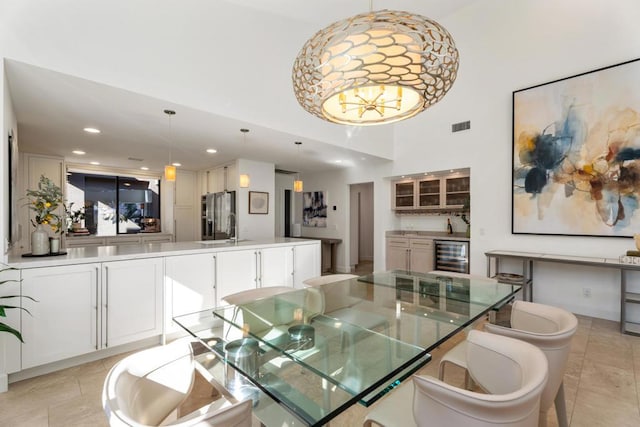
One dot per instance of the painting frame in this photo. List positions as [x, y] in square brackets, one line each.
[314, 209]
[258, 202]
[576, 155]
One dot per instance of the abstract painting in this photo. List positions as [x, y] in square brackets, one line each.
[314, 209]
[576, 155]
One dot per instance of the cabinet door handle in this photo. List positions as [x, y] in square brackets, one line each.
[255, 261]
[260, 266]
[215, 271]
[106, 306]
[97, 312]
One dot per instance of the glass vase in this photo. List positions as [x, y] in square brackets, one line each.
[40, 241]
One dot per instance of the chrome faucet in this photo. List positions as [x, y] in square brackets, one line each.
[233, 237]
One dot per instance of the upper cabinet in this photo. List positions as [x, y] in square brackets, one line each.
[431, 192]
[404, 194]
[219, 179]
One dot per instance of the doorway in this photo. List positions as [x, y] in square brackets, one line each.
[361, 228]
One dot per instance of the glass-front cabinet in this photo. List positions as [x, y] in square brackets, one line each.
[439, 190]
[404, 194]
[457, 191]
[429, 193]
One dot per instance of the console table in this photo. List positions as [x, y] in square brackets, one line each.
[527, 258]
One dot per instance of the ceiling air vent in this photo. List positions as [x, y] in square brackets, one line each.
[135, 159]
[457, 127]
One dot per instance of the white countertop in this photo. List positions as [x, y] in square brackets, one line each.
[91, 254]
[426, 234]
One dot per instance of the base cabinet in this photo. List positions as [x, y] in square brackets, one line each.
[64, 318]
[10, 344]
[190, 285]
[306, 263]
[88, 307]
[132, 300]
[411, 254]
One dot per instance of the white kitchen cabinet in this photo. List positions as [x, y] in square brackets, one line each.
[275, 266]
[306, 263]
[221, 178]
[88, 307]
[132, 300]
[189, 285]
[246, 269]
[64, 318]
[236, 271]
[10, 344]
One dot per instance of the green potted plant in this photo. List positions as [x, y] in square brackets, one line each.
[74, 218]
[44, 202]
[466, 215]
[3, 308]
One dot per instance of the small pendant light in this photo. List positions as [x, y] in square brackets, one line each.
[244, 178]
[297, 183]
[170, 169]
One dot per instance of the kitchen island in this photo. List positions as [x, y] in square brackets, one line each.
[97, 301]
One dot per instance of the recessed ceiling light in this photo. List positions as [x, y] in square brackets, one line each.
[79, 152]
[176, 164]
[212, 150]
[95, 163]
[91, 130]
[127, 184]
[144, 168]
[338, 161]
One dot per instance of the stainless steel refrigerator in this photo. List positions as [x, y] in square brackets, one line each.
[218, 215]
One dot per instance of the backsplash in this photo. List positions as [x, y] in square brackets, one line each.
[431, 223]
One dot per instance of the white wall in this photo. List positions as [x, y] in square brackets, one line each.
[361, 226]
[262, 178]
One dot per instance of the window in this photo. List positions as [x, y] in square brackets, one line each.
[115, 204]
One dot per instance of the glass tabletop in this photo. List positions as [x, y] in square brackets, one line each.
[318, 350]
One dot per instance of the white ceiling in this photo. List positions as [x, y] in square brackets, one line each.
[53, 108]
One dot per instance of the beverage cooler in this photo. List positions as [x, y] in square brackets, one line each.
[452, 255]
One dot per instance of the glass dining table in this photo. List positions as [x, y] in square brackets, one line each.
[307, 355]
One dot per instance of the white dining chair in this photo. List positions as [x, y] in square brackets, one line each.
[340, 306]
[513, 397]
[548, 328]
[145, 388]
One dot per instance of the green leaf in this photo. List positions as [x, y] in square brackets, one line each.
[9, 329]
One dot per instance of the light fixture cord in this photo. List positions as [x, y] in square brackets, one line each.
[170, 140]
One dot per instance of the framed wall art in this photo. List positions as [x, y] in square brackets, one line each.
[314, 209]
[258, 202]
[576, 155]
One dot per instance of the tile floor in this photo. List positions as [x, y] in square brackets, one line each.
[602, 386]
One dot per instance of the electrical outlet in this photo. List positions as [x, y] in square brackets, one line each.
[586, 292]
